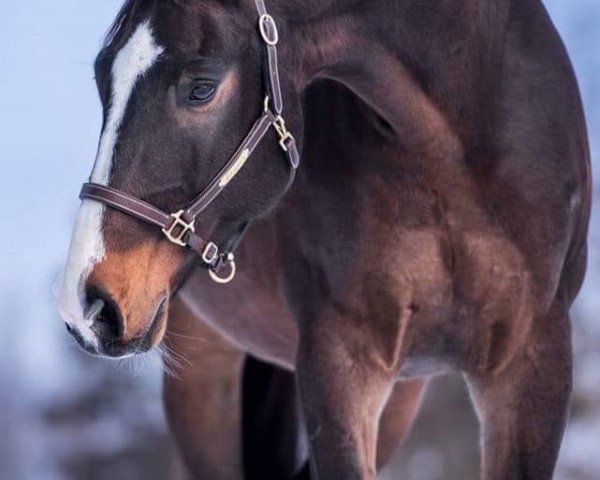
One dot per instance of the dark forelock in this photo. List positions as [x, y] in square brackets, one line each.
[125, 22]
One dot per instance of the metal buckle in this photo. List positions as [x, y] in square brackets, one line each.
[283, 132]
[179, 222]
[229, 278]
[210, 254]
[264, 32]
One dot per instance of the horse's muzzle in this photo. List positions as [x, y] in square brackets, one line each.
[107, 323]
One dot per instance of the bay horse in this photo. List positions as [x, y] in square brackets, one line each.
[432, 219]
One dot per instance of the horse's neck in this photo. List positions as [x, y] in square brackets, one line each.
[424, 69]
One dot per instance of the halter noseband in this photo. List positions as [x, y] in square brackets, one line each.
[180, 227]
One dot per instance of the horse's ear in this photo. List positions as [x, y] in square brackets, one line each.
[125, 22]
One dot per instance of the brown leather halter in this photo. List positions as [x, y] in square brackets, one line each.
[180, 227]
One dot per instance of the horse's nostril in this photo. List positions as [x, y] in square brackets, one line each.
[105, 314]
[109, 316]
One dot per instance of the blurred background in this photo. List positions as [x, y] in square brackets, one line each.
[64, 415]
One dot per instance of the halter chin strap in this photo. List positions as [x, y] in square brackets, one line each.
[180, 227]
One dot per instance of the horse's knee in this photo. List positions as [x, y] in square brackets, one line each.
[523, 408]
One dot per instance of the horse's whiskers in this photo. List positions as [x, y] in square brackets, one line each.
[170, 362]
[180, 356]
[172, 358]
[170, 333]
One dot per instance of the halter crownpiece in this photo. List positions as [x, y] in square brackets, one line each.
[180, 227]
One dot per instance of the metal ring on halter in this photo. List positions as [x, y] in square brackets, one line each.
[264, 32]
[227, 279]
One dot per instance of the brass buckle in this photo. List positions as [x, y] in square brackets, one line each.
[283, 132]
[179, 222]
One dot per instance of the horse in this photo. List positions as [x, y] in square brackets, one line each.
[433, 219]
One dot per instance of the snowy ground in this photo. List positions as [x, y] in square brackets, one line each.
[67, 416]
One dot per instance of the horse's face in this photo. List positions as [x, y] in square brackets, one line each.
[181, 85]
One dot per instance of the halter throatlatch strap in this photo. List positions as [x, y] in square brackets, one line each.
[180, 227]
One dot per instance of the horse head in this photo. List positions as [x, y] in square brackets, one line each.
[181, 85]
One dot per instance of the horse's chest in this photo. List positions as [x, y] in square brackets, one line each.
[460, 288]
[249, 312]
[474, 293]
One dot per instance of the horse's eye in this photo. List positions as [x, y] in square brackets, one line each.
[202, 92]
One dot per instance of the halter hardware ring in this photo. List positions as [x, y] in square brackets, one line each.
[179, 222]
[263, 21]
[229, 278]
[283, 132]
[279, 125]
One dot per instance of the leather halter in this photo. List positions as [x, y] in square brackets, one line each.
[180, 227]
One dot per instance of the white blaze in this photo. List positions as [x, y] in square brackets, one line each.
[87, 245]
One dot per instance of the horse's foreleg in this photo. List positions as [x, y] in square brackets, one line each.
[202, 398]
[343, 392]
[523, 408]
[398, 417]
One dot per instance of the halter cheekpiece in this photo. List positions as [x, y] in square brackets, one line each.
[180, 227]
